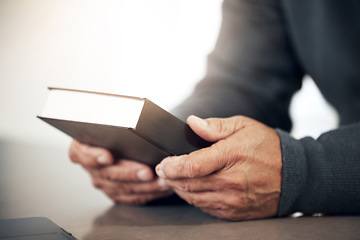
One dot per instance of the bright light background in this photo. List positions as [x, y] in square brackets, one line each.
[155, 49]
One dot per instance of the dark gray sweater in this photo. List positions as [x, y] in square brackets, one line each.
[263, 51]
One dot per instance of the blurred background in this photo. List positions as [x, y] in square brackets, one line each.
[155, 49]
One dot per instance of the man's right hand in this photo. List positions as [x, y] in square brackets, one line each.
[124, 181]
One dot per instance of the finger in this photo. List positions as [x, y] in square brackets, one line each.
[89, 156]
[206, 199]
[127, 170]
[213, 182]
[192, 184]
[139, 198]
[215, 129]
[196, 164]
[111, 187]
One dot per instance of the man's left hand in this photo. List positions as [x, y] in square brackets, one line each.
[238, 177]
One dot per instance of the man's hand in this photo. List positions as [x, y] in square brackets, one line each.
[124, 181]
[238, 177]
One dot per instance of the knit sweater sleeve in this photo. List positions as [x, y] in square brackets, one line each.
[322, 175]
[252, 70]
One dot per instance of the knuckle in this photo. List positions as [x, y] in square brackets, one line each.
[225, 153]
[191, 167]
[232, 203]
[227, 126]
[73, 154]
[96, 182]
[221, 127]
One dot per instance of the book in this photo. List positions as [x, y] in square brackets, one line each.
[129, 127]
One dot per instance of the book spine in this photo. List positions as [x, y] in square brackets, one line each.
[167, 131]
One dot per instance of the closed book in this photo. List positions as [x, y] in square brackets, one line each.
[129, 127]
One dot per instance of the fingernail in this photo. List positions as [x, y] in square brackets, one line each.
[160, 172]
[144, 175]
[201, 121]
[161, 182]
[103, 160]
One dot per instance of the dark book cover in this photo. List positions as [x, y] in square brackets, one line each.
[158, 134]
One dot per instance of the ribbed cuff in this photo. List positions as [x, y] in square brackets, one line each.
[294, 173]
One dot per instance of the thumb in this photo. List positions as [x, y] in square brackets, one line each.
[215, 129]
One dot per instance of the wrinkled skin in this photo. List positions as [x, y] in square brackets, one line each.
[123, 181]
[237, 178]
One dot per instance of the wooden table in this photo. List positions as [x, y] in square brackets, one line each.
[41, 181]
